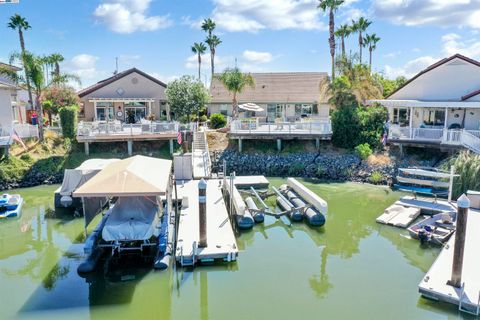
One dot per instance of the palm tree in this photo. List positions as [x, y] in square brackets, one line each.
[331, 6]
[235, 82]
[370, 42]
[213, 42]
[360, 26]
[35, 76]
[55, 59]
[19, 23]
[343, 32]
[199, 48]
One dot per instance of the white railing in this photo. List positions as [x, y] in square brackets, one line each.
[97, 129]
[26, 130]
[318, 126]
[471, 141]
[201, 155]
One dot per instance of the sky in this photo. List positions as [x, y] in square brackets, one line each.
[257, 35]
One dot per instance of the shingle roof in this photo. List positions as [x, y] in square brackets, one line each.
[275, 87]
[116, 77]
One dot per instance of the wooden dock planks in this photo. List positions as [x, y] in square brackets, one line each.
[221, 242]
[434, 284]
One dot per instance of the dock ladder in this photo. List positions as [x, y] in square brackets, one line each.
[463, 309]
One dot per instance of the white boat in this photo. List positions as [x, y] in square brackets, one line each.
[436, 229]
[10, 205]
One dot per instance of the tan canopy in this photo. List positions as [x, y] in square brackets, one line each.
[134, 176]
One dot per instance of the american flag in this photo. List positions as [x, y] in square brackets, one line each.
[179, 137]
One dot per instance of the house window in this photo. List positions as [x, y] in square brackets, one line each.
[401, 116]
[104, 110]
[135, 111]
[224, 109]
[434, 117]
[303, 110]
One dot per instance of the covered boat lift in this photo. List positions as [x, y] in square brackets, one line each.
[141, 217]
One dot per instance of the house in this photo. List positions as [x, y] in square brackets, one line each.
[288, 96]
[438, 107]
[292, 107]
[128, 96]
[129, 106]
[11, 107]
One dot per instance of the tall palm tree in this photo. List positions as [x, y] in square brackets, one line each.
[208, 26]
[20, 24]
[360, 26]
[213, 42]
[370, 41]
[331, 6]
[343, 32]
[235, 82]
[199, 48]
[55, 59]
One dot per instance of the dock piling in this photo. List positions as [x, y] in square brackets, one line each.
[462, 214]
[202, 205]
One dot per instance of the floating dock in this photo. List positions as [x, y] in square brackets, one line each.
[434, 284]
[245, 182]
[427, 205]
[399, 216]
[221, 243]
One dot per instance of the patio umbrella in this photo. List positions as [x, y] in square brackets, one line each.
[250, 107]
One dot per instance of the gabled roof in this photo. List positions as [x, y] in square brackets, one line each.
[435, 65]
[116, 77]
[470, 95]
[280, 87]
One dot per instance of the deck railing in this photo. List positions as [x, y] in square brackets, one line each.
[98, 129]
[470, 139]
[317, 126]
[26, 130]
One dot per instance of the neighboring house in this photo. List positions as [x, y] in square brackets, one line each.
[12, 109]
[129, 92]
[288, 96]
[440, 106]
[293, 108]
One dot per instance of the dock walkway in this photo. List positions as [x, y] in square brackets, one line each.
[220, 237]
[434, 284]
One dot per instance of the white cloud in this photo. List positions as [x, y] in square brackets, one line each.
[453, 43]
[221, 62]
[444, 13]
[257, 57]
[127, 16]
[85, 67]
[411, 68]
[256, 15]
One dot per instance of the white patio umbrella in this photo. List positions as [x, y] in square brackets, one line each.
[251, 107]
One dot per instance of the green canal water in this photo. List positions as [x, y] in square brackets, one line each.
[352, 268]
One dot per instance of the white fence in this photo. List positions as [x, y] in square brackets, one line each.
[470, 139]
[98, 129]
[25, 130]
[320, 126]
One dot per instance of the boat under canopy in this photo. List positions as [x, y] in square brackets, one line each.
[137, 176]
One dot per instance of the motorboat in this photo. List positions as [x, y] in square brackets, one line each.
[436, 229]
[10, 205]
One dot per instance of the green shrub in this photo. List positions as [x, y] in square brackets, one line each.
[13, 168]
[363, 150]
[467, 166]
[376, 177]
[297, 169]
[26, 157]
[203, 118]
[217, 120]
[321, 171]
[68, 120]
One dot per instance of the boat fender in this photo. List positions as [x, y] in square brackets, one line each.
[66, 201]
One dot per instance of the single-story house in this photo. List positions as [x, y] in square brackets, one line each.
[12, 109]
[440, 106]
[127, 95]
[288, 96]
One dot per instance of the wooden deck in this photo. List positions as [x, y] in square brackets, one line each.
[220, 237]
[434, 284]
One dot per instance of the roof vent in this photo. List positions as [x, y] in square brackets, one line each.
[120, 91]
[135, 80]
